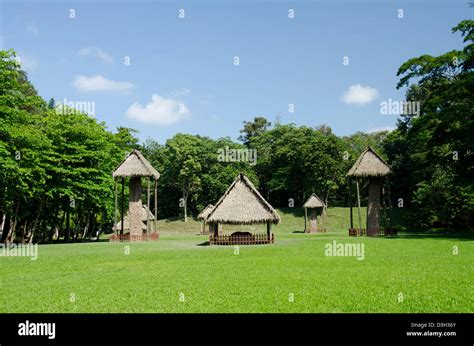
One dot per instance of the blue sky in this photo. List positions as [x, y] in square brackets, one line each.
[182, 76]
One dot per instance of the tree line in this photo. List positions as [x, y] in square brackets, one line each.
[55, 166]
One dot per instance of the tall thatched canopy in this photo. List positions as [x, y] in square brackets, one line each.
[313, 202]
[205, 212]
[369, 164]
[242, 204]
[135, 165]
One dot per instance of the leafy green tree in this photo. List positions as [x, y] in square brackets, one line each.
[253, 129]
[431, 152]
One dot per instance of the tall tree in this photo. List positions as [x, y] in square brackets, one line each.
[253, 129]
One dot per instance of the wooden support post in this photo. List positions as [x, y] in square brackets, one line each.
[305, 218]
[156, 206]
[115, 205]
[269, 230]
[123, 208]
[148, 210]
[350, 203]
[358, 205]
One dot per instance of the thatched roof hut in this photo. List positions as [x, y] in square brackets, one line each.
[126, 225]
[313, 202]
[205, 212]
[315, 205]
[147, 215]
[202, 216]
[135, 166]
[242, 204]
[370, 166]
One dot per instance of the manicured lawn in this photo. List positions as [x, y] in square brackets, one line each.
[261, 278]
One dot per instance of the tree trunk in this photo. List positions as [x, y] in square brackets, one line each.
[6, 228]
[68, 224]
[185, 201]
[35, 224]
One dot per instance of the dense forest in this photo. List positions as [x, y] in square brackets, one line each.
[56, 165]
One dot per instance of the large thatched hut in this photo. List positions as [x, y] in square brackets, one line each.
[135, 167]
[316, 207]
[372, 167]
[242, 204]
[202, 217]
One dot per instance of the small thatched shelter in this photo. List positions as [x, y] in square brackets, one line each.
[242, 204]
[372, 167]
[202, 217]
[316, 206]
[135, 166]
[126, 225]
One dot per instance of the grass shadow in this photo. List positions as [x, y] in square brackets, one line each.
[206, 243]
[430, 235]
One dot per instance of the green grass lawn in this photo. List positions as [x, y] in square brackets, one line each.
[156, 276]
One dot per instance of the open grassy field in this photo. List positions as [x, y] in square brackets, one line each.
[181, 273]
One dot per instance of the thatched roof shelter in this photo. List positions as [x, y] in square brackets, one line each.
[242, 204]
[147, 215]
[369, 164]
[135, 165]
[315, 205]
[205, 212]
[313, 202]
[126, 225]
[372, 167]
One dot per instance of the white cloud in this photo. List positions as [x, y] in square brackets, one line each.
[32, 28]
[102, 55]
[359, 95]
[100, 83]
[160, 110]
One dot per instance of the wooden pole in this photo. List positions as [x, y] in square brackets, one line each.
[305, 217]
[358, 205]
[115, 205]
[156, 205]
[148, 210]
[269, 230]
[350, 203]
[123, 207]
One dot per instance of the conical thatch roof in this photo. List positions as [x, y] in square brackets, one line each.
[242, 204]
[147, 214]
[369, 164]
[126, 225]
[313, 202]
[135, 165]
[205, 213]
